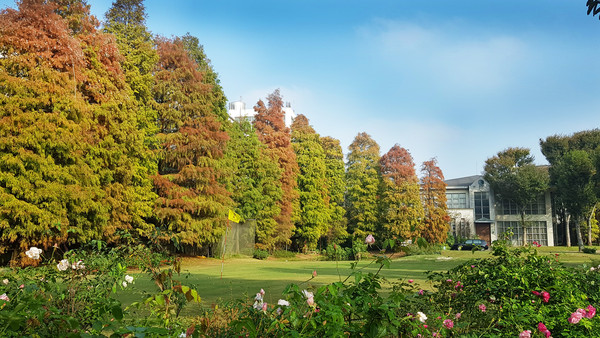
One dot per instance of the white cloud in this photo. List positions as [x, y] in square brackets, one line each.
[448, 57]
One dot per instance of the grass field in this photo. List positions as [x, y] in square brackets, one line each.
[246, 276]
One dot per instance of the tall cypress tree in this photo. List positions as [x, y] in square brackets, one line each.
[271, 130]
[362, 186]
[433, 187]
[48, 191]
[192, 202]
[401, 208]
[119, 155]
[312, 184]
[254, 182]
[336, 186]
[126, 20]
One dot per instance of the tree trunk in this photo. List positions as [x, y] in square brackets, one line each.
[589, 223]
[568, 231]
[578, 233]
[524, 228]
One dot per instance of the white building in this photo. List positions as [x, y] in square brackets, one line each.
[475, 213]
[237, 111]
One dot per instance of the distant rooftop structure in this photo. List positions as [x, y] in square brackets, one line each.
[237, 111]
[463, 181]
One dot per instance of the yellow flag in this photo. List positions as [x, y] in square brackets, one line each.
[234, 217]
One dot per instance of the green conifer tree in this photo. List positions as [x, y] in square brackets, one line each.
[315, 215]
[362, 186]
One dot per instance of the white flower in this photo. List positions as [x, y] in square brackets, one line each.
[4, 297]
[79, 265]
[129, 279]
[258, 297]
[283, 302]
[307, 294]
[33, 253]
[182, 335]
[421, 316]
[370, 240]
[592, 268]
[124, 284]
[63, 265]
[5, 281]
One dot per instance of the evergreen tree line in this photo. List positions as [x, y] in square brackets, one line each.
[108, 132]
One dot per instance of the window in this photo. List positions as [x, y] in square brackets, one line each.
[537, 207]
[482, 205]
[536, 231]
[457, 200]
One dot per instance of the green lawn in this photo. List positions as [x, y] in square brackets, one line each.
[246, 276]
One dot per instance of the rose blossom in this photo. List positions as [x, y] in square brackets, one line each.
[63, 265]
[576, 316]
[448, 323]
[370, 240]
[525, 334]
[421, 316]
[4, 297]
[482, 307]
[124, 284]
[5, 281]
[129, 279]
[314, 273]
[264, 306]
[590, 312]
[545, 296]
[33, 253]
[542, 328]
[283, 302]
[457, 316]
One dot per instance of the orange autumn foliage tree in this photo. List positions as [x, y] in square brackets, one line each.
[271, 130]
[68, 139]
[401, 209]
[433, 194]
[192, 204]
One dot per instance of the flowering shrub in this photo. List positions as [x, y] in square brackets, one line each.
[519, 292]
[64, 299]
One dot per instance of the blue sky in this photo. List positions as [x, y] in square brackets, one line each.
[456, 80]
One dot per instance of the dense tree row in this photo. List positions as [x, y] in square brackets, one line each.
[112, 133]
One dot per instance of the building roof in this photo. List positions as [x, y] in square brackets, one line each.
[463, 181]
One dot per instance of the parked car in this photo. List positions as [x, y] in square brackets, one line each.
[470, 244]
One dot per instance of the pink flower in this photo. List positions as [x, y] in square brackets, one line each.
[448, 323]
[435, 334]
[314, 273]
[542, 328]
[457, 316]
[482, 307]
[449, 280]
[262, 292]
[535, 293]
[370, 240]
[264, 306]
[525, 334]
[310, 301]
[576, 316]
[590, 312]
[4, 297]
[421, 292]
[472, 266]
[545, 296]
[21, 286]
[410, 280]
